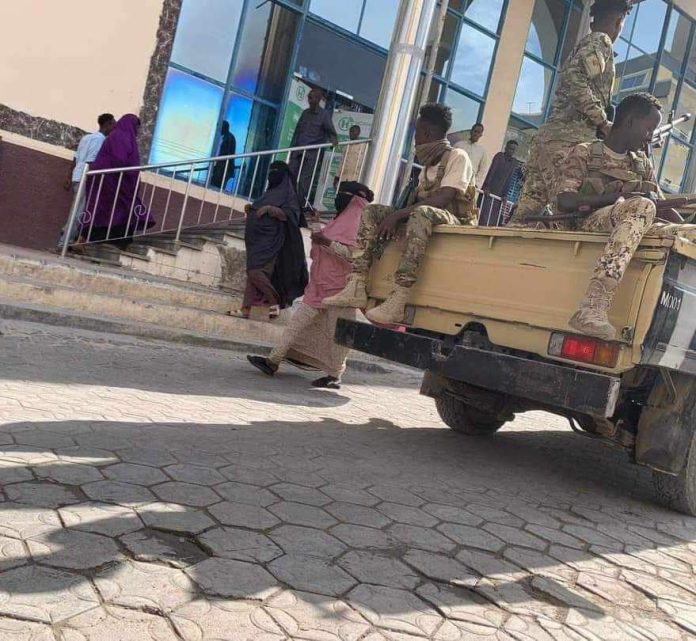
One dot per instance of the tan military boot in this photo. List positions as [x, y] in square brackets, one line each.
[393, 310]
[593, 316]
[354, 294]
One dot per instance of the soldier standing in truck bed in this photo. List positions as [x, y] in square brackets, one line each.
[579, 109]
[612, 187]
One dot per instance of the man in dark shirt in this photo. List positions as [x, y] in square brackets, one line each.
[314, 128]
[504, 169]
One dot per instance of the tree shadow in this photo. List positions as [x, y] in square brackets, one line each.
[424, 482]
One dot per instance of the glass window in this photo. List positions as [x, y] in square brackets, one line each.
[465, 111]
[378, 21]
[187, 118]
[676, 42]
[344, 13]
[572, 33]
[266, 45]
[636, 64]
[532, 92]
[676, 161]
[474, 45]
[686, 104]
[649, 19]
[485, 12]
[205, 36]
[545, 32]
[665, 88]
[446, 47]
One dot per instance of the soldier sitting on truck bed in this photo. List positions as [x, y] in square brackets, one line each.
[611, 187]
[440, 199]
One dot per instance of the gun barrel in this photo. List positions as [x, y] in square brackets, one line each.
[662, 131]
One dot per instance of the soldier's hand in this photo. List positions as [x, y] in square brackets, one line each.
[605, 128]
[389, 226]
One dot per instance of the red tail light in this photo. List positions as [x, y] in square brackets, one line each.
[584, 349]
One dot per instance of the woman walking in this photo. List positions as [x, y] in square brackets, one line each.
[309, 339]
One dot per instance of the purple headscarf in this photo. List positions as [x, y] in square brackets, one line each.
[120, 149]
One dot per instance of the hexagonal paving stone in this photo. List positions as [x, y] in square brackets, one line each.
[248, 475]
[44, 594]
[312, 574]
[490, 567]
[69, 473]
[303, 541]
[22, 521]
[241, 545]
[153, 545]
[186, 494]
[310, 616]
[145, 456]
[494, 515]
[300, 494]
[553, 535]
[357, 536]
[357, 514]
[80, 455]
[101, 518]
[225, 621]
[471, 537]
[145, 586]
[47, 440]
[299, 514]
[42, 494]
[13, 473]
[539, 563]
[452, 514]
[347, 494]
[135, 474]
[421, 537]
[370, 567]
[26, 454]
[394, 609]
[515, 536]
[407, 514]
[249, 516]
[117, 492]
[117, 624]
[173, 517]
[462, 605]
[440, 568]
[14, 630]
[234, 579]
[395, 494]
[12, 553]
[461, 631]
[248, 494]
[194, 474]
[73, 550]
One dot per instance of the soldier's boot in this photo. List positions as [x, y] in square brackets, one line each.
[354, 294]
[393, 310]
[592, 318]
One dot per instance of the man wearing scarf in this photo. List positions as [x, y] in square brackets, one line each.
[440, 199]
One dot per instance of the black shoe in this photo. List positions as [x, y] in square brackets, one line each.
[327, 382]
[262, 364]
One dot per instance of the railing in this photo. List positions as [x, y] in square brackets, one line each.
[126, 204]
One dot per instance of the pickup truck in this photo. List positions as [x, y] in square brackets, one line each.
[488, 324]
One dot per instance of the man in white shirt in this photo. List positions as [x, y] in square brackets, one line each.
[87, 151]
[440, 199]
[476, 152]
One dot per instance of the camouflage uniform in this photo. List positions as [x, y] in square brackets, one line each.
[418, 227]
[584, 92]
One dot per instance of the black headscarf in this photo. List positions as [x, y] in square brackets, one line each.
[349, 188]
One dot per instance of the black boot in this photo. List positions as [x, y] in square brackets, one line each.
[327, 382]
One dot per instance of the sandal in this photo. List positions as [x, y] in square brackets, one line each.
[262, 364]
[327, 382]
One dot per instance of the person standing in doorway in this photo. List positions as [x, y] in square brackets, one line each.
[353, 158]
[224, 169]
[86, 153]
[314, 128]
[496, 187]
[579, 111]
[479, 161]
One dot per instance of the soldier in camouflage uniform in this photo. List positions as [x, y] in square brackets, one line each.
[440, 199]
[615, 183]
[579, 109]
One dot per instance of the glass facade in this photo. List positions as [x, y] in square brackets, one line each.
[656, 53]
[552, 36]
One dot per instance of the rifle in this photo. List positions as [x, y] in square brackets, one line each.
[662, 133]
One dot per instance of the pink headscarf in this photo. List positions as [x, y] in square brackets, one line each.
[329, 272]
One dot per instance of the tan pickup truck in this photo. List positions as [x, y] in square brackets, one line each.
[488, 325]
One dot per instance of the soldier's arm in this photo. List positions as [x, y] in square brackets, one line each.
[590, 63]
[571, 176]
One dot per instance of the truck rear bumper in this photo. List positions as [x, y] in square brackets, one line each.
[541, 382]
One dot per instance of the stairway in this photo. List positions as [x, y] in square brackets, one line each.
[42, 287]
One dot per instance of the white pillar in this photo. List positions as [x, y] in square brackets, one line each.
[397, 97]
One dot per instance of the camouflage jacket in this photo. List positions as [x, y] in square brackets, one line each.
[584, 91]
[593, 169]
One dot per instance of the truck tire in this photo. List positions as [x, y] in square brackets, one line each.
[465, 419]
[679, 492]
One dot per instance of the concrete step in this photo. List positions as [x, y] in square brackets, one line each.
[49, 270]
[119, 308]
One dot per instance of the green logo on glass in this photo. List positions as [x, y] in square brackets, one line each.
[301, 92]
[345, 123]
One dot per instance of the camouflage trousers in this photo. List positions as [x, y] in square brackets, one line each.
[627, 221]
[418, 229]
[546, 155]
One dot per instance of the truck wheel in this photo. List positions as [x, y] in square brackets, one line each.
[465, 419]
[679, 492]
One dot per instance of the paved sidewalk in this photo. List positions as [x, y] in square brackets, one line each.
[163, 492]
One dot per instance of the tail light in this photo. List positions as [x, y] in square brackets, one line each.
[584, 349]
